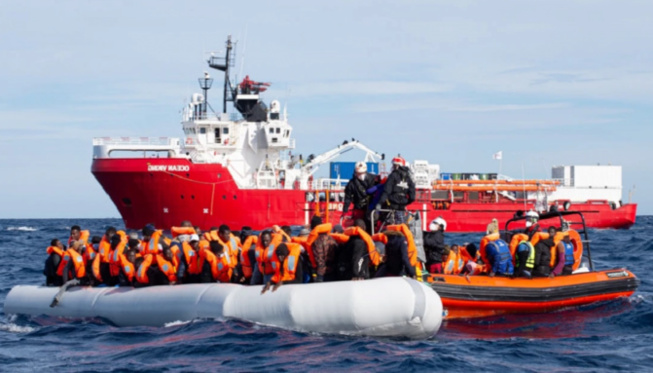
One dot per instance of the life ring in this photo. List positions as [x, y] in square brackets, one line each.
[189, 141]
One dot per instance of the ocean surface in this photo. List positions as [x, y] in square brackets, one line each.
[603, 337]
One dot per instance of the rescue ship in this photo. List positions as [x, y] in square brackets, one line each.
[240, 168]
[475, 296]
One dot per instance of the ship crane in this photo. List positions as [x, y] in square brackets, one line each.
[313, 164]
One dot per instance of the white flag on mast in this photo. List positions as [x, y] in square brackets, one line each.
[498, 155]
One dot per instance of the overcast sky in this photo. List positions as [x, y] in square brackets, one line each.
[546, 82]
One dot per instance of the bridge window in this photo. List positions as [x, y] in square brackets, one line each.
[217, 135]
[271, 130]
[225, 130]
[278, 130]
[203, 130]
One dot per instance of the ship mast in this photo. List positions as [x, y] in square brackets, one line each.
[223, 65]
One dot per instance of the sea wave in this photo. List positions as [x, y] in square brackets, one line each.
[22, 228]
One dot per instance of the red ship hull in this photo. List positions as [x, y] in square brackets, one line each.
[165, 191]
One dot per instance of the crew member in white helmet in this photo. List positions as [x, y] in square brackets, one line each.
[356, 193]
[434, 245]
[532, 225]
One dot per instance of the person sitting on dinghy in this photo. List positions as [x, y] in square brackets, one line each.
[500, 260]
[525, 259]
[73, 264]
[214, 264]
[55, 255]
[288, 268]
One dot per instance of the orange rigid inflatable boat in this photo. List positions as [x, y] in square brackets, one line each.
[475, 296]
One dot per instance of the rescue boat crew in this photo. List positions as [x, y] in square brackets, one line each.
[288, 269]
[356, 193]
[434, 245]
[55, 255]
[399, 190]
[397, 259]
[499, 258]
[532, 225]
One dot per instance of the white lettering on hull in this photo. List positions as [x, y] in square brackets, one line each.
[169, 168]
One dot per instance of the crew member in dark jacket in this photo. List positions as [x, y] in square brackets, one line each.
[543, 255]
[434, 245]
[356, 193]
[399, 190]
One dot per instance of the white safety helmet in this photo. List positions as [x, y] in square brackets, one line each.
[194, 237]
[531, 218]
[361, 167]
[438, 222]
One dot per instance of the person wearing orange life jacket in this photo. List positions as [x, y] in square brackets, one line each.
[232, 248]
[102, 260]
[186, 252]
[215, 267]
[73, 264]
[55, 255]
[264, 242]
[151, 243]
[158, 269]
[247, 258]
[89, 255]
[565, 254]
[287, 264]
[397, 259]
[77, 234]
[325, 250]
[128, 264]
[355, 257]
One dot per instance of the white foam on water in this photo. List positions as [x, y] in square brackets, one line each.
[13, 328]
[22, 228]
[176, 323]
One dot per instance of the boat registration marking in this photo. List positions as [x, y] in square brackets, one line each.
[169, 167]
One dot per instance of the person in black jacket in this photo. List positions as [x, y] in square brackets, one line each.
[434, 245]
[399, 190]
[542, 265]
[356, 192]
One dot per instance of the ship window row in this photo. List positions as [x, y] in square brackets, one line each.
[189, 131]
[277, 130]
[203, 130]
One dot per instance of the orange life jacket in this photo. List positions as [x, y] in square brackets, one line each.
[79, 269]
[454, 263]
[340, 237]
[283, 234]
[484, 241]
[104, 248]
[114, 259]
[127, 268]
[380, 237]
[191, 257]
[315, 232]
[169, 268]
[289, 264]
[375, 257]
[83, 236]
[95, 267]
[220, 269]
[54, 249]
[514, 242]
[412, 249]
[151, 246]
[245, 263]
[177, 231]
[264, 254]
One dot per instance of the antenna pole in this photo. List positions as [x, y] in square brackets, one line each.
[226, 75]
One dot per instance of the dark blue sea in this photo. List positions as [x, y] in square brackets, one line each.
[603, 337]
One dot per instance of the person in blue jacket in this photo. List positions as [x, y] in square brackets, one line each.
[498, 254]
